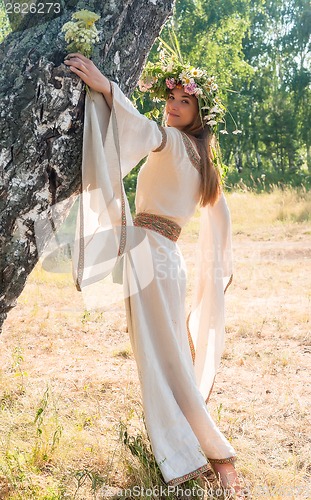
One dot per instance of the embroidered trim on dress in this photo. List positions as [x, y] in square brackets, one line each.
[164, 140]
[191, 344]
[123, 209]
[190, 475]
[123, 224]
[191, 152]
[229, 460]
[81, 246]
[157, 223]
[229, 283]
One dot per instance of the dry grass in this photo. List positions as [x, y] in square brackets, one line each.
[68, 377]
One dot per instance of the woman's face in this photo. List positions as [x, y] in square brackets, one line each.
[181, 109]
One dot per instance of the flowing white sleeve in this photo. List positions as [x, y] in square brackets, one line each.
[138, 135]
[214, 274]
[113, 143]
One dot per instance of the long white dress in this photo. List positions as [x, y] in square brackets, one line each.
[174, 388]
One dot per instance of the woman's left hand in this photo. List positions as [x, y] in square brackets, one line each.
[88, 72]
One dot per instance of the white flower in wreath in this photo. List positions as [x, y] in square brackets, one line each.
[198, 92]
[185, 77]
[196, 73]
[162, 55]
[211, 116]
[215, 109]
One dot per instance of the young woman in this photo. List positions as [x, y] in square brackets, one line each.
[176, 369]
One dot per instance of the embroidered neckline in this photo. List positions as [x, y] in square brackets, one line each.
[193, 154]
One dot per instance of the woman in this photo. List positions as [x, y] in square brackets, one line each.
[177, 175]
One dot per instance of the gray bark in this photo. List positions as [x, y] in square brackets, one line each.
[41, 117]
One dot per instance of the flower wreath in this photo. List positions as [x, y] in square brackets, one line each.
[169, 72]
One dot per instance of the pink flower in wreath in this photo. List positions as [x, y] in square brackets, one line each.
[190, 88]
[144, 86]
[170, 83]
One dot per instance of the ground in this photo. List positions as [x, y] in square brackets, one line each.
[69, 380]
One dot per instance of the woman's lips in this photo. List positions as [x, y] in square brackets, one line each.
[172, 114]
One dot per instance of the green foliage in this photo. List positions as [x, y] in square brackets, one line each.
[130, 182]
[21, 463]
[259, 51]
[5, 27]
[272, 105]
[45, 443]
[268, 181]
[88, 475]
[215, 41]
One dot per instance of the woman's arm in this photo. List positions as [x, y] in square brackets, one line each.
[90, 74]
[137, 135]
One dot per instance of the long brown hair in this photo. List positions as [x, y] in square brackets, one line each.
[205, 141]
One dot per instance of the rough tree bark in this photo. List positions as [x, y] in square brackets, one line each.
[41, 117]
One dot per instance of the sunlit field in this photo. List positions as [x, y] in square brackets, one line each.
[71, 422]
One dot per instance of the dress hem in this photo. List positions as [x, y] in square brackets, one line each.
[190, 475]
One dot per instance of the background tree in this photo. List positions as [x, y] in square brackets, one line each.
[259, 52]
[275, 142]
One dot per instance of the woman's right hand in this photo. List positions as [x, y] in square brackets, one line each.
[90, 74]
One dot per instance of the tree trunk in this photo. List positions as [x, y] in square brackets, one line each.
[41, 117]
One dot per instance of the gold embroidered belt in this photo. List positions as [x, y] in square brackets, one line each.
[157, 223]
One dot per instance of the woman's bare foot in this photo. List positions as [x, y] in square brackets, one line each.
[228, 477]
